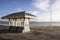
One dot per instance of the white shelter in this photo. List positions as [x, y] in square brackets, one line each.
[19, 19]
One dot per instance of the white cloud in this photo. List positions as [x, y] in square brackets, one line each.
[28, 11]
[43, 17]
[56, 11]
[32, 12]
[44, 5]
[41, 4]
[17, 10]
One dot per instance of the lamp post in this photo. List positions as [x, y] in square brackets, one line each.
[50, 7]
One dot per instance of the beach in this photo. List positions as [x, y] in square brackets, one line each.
[30, 20]
[36, 33]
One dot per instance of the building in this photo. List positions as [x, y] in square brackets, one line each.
[19, 20]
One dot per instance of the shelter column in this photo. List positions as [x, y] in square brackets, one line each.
[19, 22]
[14, 22]
[26, 25]
[9, 22]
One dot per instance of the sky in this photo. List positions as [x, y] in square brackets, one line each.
[40, 8]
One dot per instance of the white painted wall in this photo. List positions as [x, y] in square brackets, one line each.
[12, 22]
[20, 22]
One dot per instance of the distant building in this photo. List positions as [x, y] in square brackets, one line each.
[20, 20]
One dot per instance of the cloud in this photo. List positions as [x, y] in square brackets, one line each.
[40, 4]
[56, 11]
[32, 12]
[44, 6]
[28, 11]
[17, 10]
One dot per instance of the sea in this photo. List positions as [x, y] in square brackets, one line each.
[36, 23]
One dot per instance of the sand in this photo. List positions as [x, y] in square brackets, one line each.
[36, 33]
